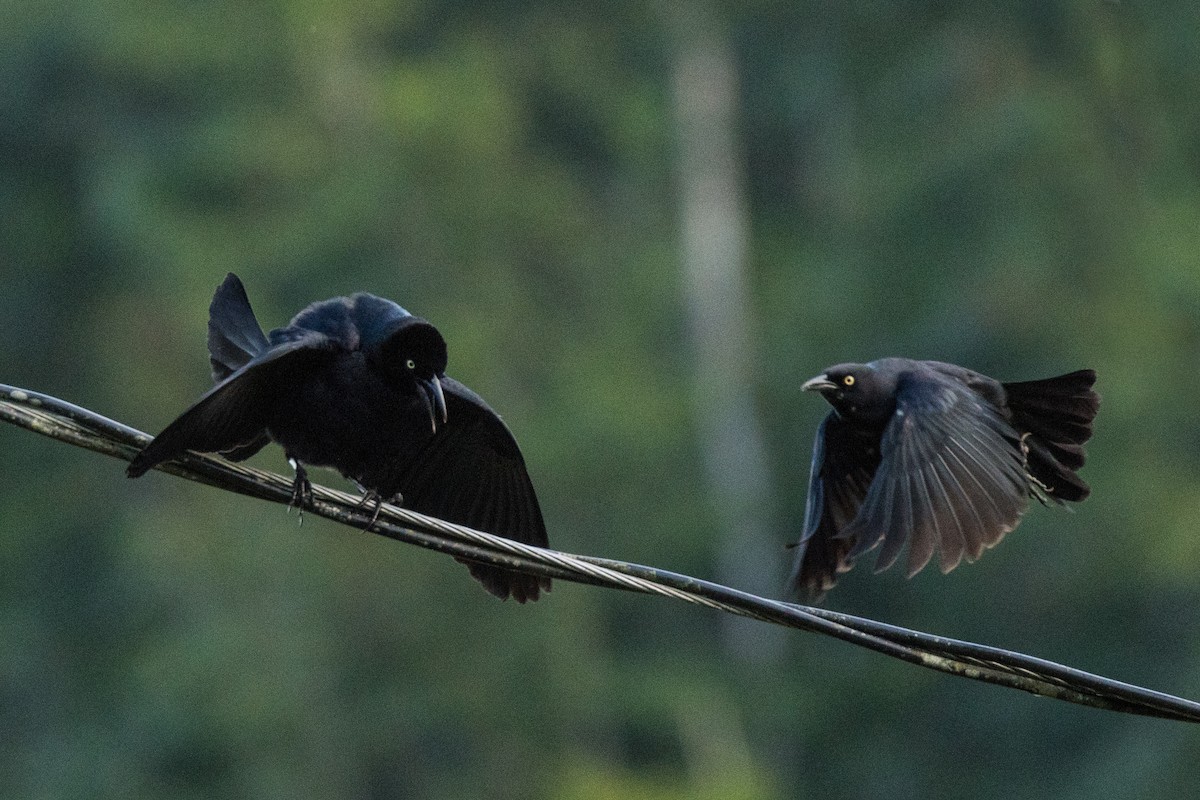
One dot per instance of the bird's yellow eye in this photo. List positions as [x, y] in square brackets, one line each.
[410, 364]
[848, 380]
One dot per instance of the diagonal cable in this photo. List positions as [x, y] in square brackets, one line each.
[79, 426]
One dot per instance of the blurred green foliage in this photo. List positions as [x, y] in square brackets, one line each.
[1014, 187]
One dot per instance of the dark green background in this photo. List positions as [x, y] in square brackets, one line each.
[1016, 189]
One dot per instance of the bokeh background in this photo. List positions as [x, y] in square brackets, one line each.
[640, 226]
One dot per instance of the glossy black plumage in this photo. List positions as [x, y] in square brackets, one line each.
[358, 384]
[937, 457]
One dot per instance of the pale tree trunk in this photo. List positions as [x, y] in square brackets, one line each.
[714, 235]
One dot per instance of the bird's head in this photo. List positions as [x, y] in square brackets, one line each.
[857, 392]
[414, 356]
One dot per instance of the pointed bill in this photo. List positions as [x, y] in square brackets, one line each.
[437, 402]
[820, 383]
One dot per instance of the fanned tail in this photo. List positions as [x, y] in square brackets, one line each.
[1055, 417]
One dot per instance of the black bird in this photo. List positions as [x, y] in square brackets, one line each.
[935, 456]
[358, 384]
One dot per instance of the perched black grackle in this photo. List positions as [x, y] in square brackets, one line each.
[936, 456]
[358, 384]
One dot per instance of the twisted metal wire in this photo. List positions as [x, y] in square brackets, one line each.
[72, 424]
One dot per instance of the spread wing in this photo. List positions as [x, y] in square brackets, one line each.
[234, 413]
[843, 463]
[472, 473]
[951, 478]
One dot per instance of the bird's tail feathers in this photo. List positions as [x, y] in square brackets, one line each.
[234, 335]
[1055, 417]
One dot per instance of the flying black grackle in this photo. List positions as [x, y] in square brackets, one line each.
[358, 384]
[935, 456]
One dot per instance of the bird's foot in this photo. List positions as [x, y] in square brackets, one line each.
[372, 496]
[302, 491]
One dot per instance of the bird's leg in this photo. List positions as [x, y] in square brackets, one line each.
[302, 491]
[1037, 489]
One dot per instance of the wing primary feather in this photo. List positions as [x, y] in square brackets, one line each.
[991, 515]
[952, 541]
[927, 535]
[814, 511]
[964, 507]
[899, 531]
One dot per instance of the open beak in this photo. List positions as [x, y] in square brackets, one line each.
[821, 383]
[437, 402]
